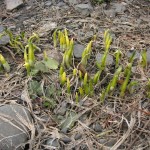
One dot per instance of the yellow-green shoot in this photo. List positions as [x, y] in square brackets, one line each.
[68, 86]
[118, 55]
[4, 63]
[16, 42]
[86, 53]
[111, 86]
[107, 43]
[126, 81]
[63, 78]
[66, 45]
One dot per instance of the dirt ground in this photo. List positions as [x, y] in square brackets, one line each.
[118, 123]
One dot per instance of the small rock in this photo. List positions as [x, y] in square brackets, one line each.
[120, 7]
[78, 49]
[5, 38]
[61, 4]
[102, 141]
[78, 136]
[110, 13]
[15, 121]
[107, 142]
[97, 127]
[53, 142]
[84, 9]
[48, 3]
[111, 142]
[148, 55]
[73, 2]
[47, 26]
[66, 140]
[109, 59]
[12, 4]
[89, 34]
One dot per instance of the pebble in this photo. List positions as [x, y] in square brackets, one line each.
[47, 26]
[97, 127]
[78, 136]
[53, 142]
[78, 49]
[66, 139]
[48, 3]
[84, 9]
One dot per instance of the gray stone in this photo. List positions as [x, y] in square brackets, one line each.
[53, 142]
[46, 27]
[109, 59]
[120, 7]
[78, 49]
[66, 139]
[148, 55]
[73, 2]
[48, 3]
[4, 39]
[107, 142]
[84, 9]
[15, 121]
[97, 127]
[78, 136]
[110, 13]
[12, 4]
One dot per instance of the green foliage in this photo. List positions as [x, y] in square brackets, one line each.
[16, 42]
[47, 94]
[68, 123]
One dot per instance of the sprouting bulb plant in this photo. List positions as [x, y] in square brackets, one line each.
[96, 77]
[29, 57]
[107, 40]
[4, 63]
[126, 81]
[86, 53]
[68, 85]
[66, 45]
[107, 43]
[63, 78]
[118, 55]
[112, 84]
